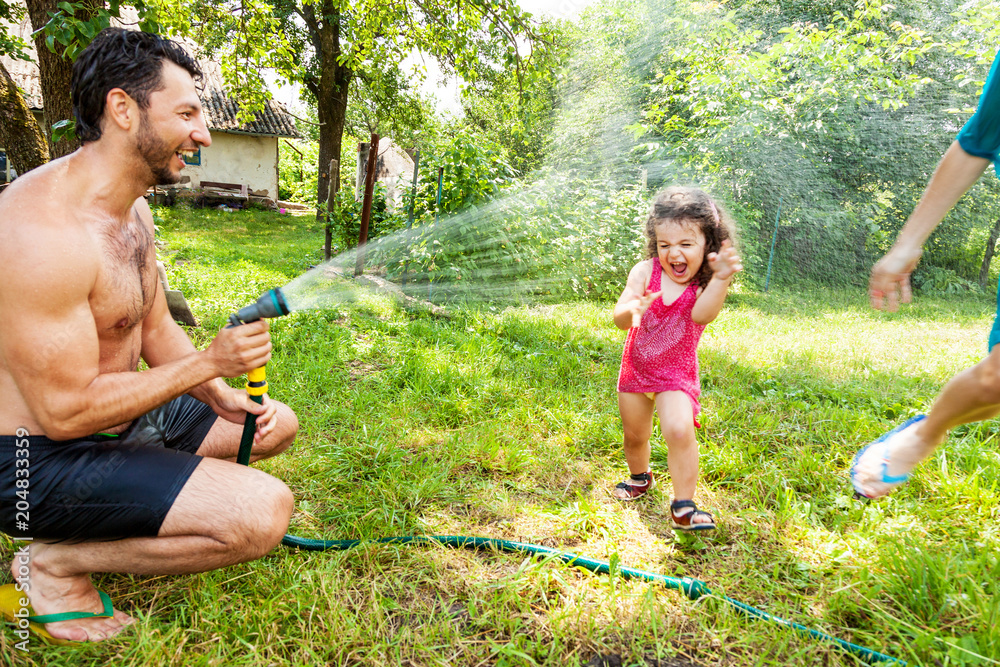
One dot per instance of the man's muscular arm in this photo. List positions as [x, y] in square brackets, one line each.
[50, 345]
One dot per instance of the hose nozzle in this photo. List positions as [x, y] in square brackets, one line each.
[270, 304]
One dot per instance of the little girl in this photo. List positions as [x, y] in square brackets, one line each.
[665, 306]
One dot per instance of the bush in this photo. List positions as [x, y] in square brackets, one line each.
[937, 281]
[474, 172]
[297, 174]
[347, 217]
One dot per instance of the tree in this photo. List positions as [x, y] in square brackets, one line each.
[56, 68]
[324, 44]
[11, 14]
[514, 114]
[63, 28]
[991, 245]
[60, 30]
[336, 47]
[19, 133]
[835, 111]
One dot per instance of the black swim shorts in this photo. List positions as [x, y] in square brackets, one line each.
[102, 487]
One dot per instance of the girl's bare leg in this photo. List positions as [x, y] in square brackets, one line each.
[637, 421]
[677, 426]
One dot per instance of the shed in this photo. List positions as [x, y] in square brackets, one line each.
[393, 168]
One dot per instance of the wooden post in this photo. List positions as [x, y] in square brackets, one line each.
[413, 204]
[366, 206]
[437, 213]
[413, 188]
[321, 177]
[359, 181]
[437, 207]
[774, 240]
[331, 198]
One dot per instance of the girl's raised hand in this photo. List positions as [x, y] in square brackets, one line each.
[642, 304]
[725, 263]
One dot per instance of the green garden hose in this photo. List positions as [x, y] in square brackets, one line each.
[693, 588]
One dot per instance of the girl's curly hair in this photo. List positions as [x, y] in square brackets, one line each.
[685, 205]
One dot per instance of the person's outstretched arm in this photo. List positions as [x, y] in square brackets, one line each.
[963, 163]
[164, 342]
[890, 280]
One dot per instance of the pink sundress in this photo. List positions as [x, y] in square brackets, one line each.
[662, 353]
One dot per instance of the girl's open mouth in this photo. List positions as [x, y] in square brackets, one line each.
[678, 269]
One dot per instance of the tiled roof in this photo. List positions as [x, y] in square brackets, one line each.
[220, 109]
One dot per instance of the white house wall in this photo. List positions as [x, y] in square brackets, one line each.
[240, 159]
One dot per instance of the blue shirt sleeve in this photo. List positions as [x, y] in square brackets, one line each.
[981, 135]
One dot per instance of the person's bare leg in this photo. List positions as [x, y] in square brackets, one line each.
[637, 422]
[972, 395]
[677, 425]
[223, 440]
[224, 514]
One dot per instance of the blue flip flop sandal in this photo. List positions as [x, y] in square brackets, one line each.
[885, 477]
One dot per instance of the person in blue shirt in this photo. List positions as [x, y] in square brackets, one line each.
[973, 394]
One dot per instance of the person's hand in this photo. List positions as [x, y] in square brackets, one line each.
[641, 305]
[233, 405]
[890, 281]
[237, 350]
[726, 263]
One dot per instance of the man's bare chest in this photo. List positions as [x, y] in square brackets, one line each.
[126, 284]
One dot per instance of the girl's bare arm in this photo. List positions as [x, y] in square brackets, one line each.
[634, 301]
[725, 264]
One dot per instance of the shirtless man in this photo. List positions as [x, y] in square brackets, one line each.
[155, 491]
[974, 394]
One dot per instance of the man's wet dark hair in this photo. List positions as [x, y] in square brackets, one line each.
[126, 59]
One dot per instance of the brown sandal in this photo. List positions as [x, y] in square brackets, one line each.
[685, 521]
[626, 491]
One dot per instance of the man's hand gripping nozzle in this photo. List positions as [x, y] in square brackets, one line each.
[271, 304]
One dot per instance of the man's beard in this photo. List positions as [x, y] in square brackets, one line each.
[155, 153]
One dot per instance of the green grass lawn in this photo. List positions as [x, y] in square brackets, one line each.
[505, 424]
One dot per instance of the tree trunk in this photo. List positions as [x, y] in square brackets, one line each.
[991, 246]
[19, 133]
[330, 88]
[56, 72]
[331, 107]
[366, 206]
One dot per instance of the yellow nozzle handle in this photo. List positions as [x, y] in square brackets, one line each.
[257, 381]
[256, 387]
